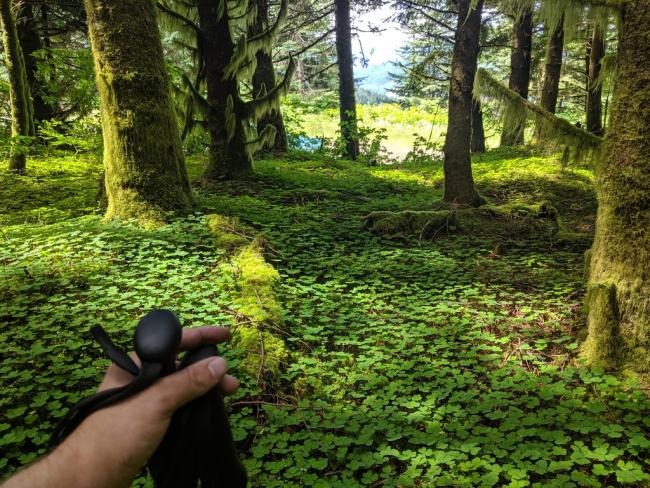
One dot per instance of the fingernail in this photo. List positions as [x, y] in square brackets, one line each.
[217, 367]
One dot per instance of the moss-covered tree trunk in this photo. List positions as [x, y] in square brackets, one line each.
[519, 81]
[264, 80]
[478, 132]
[347, 95]
[459, 182]
[618, 297]
[22, 120]
[594, 88]
[30, 41]
[144, 169]
[229, 158]
[552, 71]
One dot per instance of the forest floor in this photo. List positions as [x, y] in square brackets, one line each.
[411, 363]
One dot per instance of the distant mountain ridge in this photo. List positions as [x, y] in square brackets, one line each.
[376, 78]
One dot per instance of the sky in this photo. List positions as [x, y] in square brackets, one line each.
[379, 47]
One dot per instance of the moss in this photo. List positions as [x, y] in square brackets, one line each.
[144, 169]
[256, 301]
[227, 232]
[603, 345]
[264, 353]
[515, 110]
[261, 310]
[515, 220]
[256, 282]
[408, 222]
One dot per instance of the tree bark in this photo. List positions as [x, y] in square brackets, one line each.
[30, 40]
[229, 158]
[22, 121]
[478, 132]
[618, 293]
[264, 80]
[520, 60]
[144, 169]
[594, 89]
[347, 97]
[459, 182]
[552, 72]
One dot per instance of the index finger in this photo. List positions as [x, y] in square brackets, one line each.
[193, 338]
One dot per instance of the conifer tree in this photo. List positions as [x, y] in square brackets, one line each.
[478, 132]
[520, 62]
[594, 87]
[347, 95]
[22, 112]
[225, 56]
[145, 175]
[552, 71]
[459, 182]
[30, 40]
[264, 79]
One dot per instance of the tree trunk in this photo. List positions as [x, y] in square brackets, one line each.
[594, 89]
[459, 182]
[478, 133]
[22, 121]
[347, 97]
[30, 41]
[264, 80]
[229, 158]
[619, 274]
[520, 60]
[143, 161]
[552, 72]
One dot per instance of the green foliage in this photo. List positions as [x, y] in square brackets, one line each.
[81, 136]
[67, 77]
[445, 363]
[424, 151]
[391, 128]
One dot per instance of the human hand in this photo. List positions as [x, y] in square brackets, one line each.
[111, 446]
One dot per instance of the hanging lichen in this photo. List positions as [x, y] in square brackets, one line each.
[516, 110]
[225, 58]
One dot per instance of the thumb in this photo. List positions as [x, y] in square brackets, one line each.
[177, 389]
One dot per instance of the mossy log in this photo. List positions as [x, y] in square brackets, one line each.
[144, 168]
[618, 297]
[259, 309]
[513, 220]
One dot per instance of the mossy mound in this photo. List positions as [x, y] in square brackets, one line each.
[227, 232]
[510, 220]
[256, 280]
[259, 311]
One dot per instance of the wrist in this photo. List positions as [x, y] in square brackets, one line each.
[85, 459]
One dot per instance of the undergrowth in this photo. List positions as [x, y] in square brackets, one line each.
[408, 363]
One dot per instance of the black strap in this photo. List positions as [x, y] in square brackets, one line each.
[199, 443]
[114, 353]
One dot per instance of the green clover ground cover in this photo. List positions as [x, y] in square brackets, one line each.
[449, 363]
